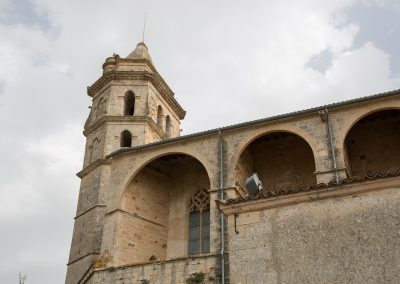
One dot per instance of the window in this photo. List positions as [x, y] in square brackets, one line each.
[126, 139]
[199, 223]
[129, 103]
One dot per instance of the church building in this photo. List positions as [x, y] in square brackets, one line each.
[157, 207]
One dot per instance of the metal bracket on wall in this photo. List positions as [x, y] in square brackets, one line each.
[234, 218]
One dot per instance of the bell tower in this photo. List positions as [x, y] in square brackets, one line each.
[132, 105]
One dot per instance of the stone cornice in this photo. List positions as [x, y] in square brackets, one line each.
[82, 257]
[93, 166]
[156, 128]
[159, 262]
[252, 205]
[124, 118]
[135, 215]
[153, 77]
[88, 210]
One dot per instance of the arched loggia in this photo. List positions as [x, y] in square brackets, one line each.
[372, 144]
[280, 159]
[159, 200]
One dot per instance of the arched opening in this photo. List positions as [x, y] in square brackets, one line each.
[168, 126]
[126, 139]
[160, 117]
[280, 159]
[372, 144]
[129, 103]
[159, 200]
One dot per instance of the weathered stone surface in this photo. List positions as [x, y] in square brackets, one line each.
[134, 202]
[352, 239]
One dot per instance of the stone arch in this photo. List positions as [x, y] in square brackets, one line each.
[155, 198]
[281, 158]
[159, 154]
[261, 132]
[370, 143]
[129, 103]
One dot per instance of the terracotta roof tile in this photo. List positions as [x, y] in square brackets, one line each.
[292, 190]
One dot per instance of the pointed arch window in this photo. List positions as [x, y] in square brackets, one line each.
[199, 223]
[129, 103]
[126, 139]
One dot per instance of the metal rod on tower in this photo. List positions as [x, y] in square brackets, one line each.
[144, 25]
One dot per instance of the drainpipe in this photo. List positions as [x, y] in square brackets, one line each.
[221, 197]
[330, 136]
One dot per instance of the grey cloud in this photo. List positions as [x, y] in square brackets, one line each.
[380, 24]
[23, 12]
[321, 62]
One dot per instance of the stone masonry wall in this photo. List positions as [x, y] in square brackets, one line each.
[171, 272]
[351, 239]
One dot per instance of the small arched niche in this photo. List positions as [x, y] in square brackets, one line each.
[280, 159]
[129, 103]
[160, 117]
[168, 126]
[159, 199]
[372, 144]
[126, 139]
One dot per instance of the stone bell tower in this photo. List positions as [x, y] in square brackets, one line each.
[132, 105]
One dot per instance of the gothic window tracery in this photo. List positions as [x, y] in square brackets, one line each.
[199, 223]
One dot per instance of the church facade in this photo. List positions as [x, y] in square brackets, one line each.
[157, 207]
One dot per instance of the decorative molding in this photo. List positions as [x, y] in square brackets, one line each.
[153, 77]
[93, 166]
[268, 200]
[329, 171]
[134, 215]
[82, 257]
[90, 209]
[159, 262]
[124, 118]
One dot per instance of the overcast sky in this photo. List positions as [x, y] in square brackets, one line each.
[227, 62]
